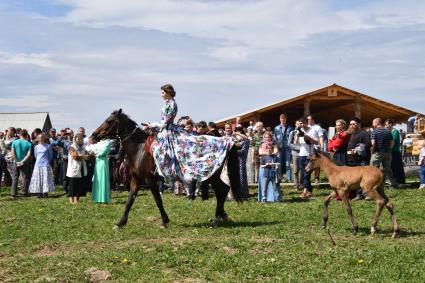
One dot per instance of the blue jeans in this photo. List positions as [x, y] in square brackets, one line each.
[305, 177]
[422, 173]
[285, 162]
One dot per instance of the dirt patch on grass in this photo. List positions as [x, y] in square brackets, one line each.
[260, 250]
[94, 274]
[265, 240]
[188, 280]
[5, 276]
[230, 250]
[152, 218]
[68, 249]
[46, 251]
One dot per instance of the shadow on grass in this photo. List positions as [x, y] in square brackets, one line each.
[234, 224]
[388, 232]
[23, 197]
[296, 199]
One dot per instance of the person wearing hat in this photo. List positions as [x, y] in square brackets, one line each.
[358, 148]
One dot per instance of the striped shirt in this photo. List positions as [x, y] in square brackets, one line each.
[383, 138]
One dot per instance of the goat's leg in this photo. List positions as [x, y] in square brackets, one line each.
[347, 206]
[380, 203]
[390, 207]
[326, 208]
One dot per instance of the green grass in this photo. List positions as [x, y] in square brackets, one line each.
[51, 240]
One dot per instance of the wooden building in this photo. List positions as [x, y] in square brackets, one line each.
[327, 104]
[28, 121]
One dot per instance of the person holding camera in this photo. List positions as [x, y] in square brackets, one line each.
[307, 137]
[294, 145]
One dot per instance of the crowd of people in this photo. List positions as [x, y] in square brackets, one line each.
[42, 161]
[267, 156]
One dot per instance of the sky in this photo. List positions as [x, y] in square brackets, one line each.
[80, 60]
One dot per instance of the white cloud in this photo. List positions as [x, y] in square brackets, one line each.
[223, 57]
[266, 24]
[38, 59]
[28, 102]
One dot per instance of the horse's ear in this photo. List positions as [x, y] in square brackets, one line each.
[316, 152]
[119, 112]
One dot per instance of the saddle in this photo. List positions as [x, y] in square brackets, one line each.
[148, 144]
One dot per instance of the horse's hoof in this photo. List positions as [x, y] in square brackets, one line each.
[116, 227]
[216, 221]
[394, 235]
[372, 231]
[355, 230]
[163, 225]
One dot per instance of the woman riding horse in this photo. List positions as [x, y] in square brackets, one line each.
[181, 156]
[175, 155]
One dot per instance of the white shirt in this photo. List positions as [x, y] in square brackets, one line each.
[422, 154]
[315, 131]
[305, 149]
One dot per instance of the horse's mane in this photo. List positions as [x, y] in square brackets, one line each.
[139, 135]
[328, 156]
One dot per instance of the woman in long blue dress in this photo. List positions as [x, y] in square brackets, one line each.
[184, 157]
[42, 176]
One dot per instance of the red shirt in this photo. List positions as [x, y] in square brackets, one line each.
[338, 141]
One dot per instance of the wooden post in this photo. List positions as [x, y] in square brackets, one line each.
[358, 109]
[257, 117]
[307, 106]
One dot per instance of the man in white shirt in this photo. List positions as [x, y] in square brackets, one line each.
[308, 138]
[317, 133]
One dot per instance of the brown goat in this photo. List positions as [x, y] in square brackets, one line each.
[343, 179]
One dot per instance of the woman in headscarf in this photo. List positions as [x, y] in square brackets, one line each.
[77, 170]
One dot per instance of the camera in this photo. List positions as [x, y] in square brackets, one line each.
[300, 132]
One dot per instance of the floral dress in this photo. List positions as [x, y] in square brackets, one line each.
[184, 157]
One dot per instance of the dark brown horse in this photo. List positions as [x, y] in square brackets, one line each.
[344, 179]
[142, 166]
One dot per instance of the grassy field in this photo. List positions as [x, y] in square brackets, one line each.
[48, 240]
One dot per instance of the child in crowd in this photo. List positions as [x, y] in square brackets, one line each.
[270, 178]
[42, 176]
[422, 165]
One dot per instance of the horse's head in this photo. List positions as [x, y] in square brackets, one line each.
[313, 163]
[110, 128]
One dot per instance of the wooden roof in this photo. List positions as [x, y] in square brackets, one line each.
[28, 121]
[327, 104]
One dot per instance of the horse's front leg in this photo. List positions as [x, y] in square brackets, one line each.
[326, 208]
[134, 188]
[152, 182]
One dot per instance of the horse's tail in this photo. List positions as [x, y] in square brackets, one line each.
[234, 175]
